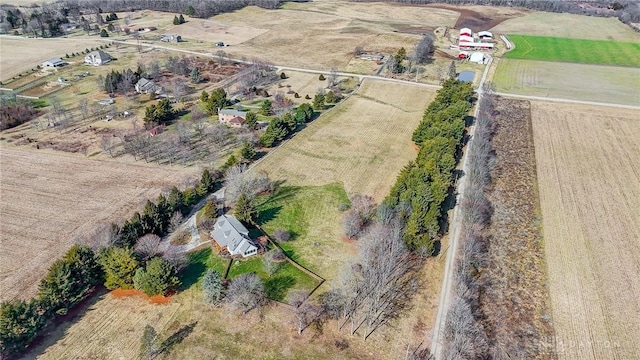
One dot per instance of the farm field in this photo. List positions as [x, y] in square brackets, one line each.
[35, 51]
[589, 178]
[603, 52]
[49, 199]
[317, 36]
[570, 81]
[363, 142]
[568, 26]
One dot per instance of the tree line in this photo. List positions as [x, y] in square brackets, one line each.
[464, 334]
[424, 184]
[118, 256]
[625, 10]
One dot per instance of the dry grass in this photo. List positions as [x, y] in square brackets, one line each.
[48, 199]
[307, 35]
[568, 26]
[570, 81]
[588, 175]
[20, 54]
[514, 296]
[363, 142]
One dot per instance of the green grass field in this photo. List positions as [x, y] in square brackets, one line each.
[311, 215]
[574, 50]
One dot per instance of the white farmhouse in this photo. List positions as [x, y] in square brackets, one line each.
[97, 58]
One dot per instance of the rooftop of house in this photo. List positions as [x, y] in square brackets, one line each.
[236, 113]
[230, 232]
[237, 120]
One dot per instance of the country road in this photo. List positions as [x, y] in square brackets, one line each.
[454, 235]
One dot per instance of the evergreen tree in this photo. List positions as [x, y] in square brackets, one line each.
[20, 323]
[245, 209]
[181, 19]
[149, 347]
[175, 20]
[318, 101]
[212, 287]
[194, 76]
[248, 152]
[157, 278]
[265, 108]
[190, 10]
[452, 70]
[251, 121]
[119, 266]
[330, 97]
[104, 33]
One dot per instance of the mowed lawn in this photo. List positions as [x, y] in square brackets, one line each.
[575, 50]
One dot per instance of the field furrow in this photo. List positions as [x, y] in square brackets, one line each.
[589, 179]
[47, 200]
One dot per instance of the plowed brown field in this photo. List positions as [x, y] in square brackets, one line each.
[588, 164]
[48, 199]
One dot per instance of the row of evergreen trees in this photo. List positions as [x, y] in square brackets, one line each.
[72, 278]
[423, 185]
[285, 125]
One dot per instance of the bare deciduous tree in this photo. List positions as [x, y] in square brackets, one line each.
[240, 181]
[178, 259]
[424, 49]
[281, 235]
[148, 246]
[175, 221]
[246, 292]
[351, 224]
[304, 312]
[106, 143]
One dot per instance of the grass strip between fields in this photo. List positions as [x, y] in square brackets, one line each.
[575, 50]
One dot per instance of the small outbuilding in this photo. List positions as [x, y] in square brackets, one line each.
[56, 62]
[463, 55]
[477, 57]
[485, 35]
[171, 38]
[466, 31]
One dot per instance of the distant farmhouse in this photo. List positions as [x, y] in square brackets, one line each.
[229, 234]
[52, 63]
[171, 38]
[233, 118]
[97, 58]
[146, 86]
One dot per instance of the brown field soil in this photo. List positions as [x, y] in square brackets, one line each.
[568, 26]
[20, 54]
[515, 297]
[49, 199]
[43, 90]
[479, 18]
[589, 181]
[569, 81]
[363, 142]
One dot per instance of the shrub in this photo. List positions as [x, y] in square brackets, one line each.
[157, 278]
[321, 77]
[343, 207]
[281, 235]
[296, 95]
[307, 97]
[283, 75]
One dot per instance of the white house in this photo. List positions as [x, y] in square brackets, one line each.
[56, 62]
[229, 234]
[146, 86]
[97, 58]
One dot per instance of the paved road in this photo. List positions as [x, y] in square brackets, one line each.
[446, 292]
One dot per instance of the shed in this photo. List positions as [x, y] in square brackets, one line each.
[56, 62]
[485, 35]
[463, 55]
[477, 57]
